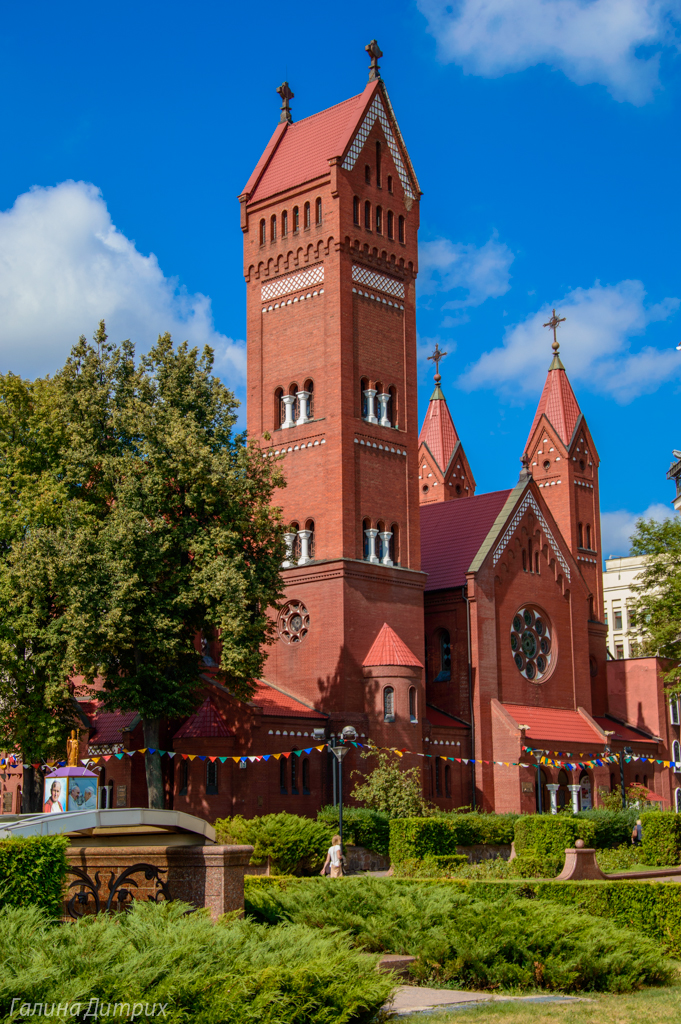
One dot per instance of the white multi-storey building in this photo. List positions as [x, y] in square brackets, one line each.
[618, 597]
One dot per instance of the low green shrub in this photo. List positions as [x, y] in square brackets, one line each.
[295, 845]
[361, 827]
[622, 858]
[461, 939]
[235, 972]
[417, 837]
[529, 864]
[446, 866]
[33, 872]
[661, 837]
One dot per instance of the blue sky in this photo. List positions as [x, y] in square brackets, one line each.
[545, 134]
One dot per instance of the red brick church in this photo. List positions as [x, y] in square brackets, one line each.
[430, 617]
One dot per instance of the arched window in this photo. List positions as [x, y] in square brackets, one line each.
[391, 224]
[588, 537]
[392, 405]
[677, 800]
[363, 400]
[445, 673]
[263, 232]
[367, 215]
[309, 525]
[306, 775]
[367, 174]
[284, 223]
[294, 773]
[585, 799]
[296, 219]
[563, 793]
[295, 528]
[438, 773]
[366, 525]
[448, 780]
[412, 704]
[309, 387]
[318, 210]
[580, 535]
[184, 778]
[676, 756]
[524, 560]
[379, 220]
[536, 562]
[278, 408]
[542, 803]
[400, 229]
[306, 215]
[529, 555]
[389, 704]
[395, 544]
[273, 228]
[674, 711]
[355, 210]
[378, 164]
[390, 184]
[211, 778]
[283, 779]
[293, 390]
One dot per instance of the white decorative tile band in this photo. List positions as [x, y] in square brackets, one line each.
[292, 282]
[381, 282]
[377, 111]
[529, 502]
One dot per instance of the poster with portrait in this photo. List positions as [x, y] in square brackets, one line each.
[83, 794]
[54, 798]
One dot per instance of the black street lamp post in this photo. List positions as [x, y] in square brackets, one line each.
[348, 734]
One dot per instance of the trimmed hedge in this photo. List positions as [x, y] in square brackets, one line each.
[295, 845]
[549, 835]
[661, 837]
[33, 872]
[361, 827]
[418, 837]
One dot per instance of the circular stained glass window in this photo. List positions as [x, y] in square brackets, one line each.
[293, 622]
[532, 643]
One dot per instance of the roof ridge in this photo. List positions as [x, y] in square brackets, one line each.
[333, 106]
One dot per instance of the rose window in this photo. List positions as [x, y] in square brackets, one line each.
[531, 643]
[294, 622]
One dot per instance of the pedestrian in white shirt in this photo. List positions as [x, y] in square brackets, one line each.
[335, 858]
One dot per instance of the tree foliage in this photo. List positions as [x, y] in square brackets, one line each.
[390, 788]
[132, 521]
[657, 609]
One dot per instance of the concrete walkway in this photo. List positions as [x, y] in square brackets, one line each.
[412, 999]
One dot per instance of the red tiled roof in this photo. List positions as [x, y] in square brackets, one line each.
[559, 404]
[558, 725]
[438, 430]
[305, 147]
[452, 533]
[622, 732]
[280, 705]
[389, 649]
[207, 721]
[439, 718]
[109, 726]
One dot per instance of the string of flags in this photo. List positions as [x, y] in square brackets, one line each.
[542, 757]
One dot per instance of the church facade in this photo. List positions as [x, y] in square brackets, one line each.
[462, 626]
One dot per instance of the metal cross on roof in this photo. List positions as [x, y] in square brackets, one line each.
[555, 322]
[286, 95]
[375, 52]
[436, 357]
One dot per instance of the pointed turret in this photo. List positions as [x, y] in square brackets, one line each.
[444, 472]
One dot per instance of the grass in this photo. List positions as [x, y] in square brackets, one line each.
[651, 1006]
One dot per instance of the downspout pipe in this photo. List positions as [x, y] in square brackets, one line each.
[464, 594]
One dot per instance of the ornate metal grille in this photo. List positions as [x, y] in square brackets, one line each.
[293, 282]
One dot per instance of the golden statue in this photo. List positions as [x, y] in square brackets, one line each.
[72, 750]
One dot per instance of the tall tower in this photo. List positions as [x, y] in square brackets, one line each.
[330, 217]
[444, 472]
[563, 460]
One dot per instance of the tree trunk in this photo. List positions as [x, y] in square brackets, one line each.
[152, 763]
[32, 791]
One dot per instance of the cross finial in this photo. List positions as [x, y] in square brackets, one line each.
[375, 52]
[437, 355]
[286, 95]
[555, 322]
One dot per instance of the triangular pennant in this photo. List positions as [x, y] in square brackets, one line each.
[142, 750]
[214, 758]
[323, 746]
[170, 753]
[286, 753]
[276, 756]
[236, 759]
[251, 758]
[190, 756]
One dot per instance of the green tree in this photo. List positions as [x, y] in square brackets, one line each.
[134, 521]
[657, 608]
[390, 788]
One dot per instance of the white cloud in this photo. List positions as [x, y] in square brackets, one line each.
[595, 346]
[475, 273]
[618, 527]
[589, 40]
[64, 266]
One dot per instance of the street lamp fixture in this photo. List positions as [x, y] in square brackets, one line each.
[348, 735]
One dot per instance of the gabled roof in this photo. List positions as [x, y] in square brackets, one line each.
[438, 431]
[558, 404]
[301, 151]
[441, 718]
[452, 533]
[389, 649]
[555, 724]
[110, 725]
[206, 722]
[625, 733]
[281, 705]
